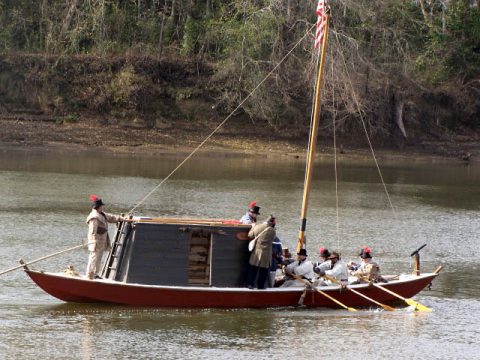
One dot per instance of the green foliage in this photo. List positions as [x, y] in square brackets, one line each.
[452, 51]
[381, 41]
[387, 31]
[463, 39]
[192, 34]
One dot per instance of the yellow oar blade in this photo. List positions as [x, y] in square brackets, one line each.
[417, 306]
[351, 309]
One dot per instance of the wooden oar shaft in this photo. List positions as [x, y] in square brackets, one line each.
[390, 292]
[306, 282]
[386, 307]
[381, 287]
[417, 305]
[42, 258]
[333, 299]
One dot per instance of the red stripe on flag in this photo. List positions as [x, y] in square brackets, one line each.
[321, 21]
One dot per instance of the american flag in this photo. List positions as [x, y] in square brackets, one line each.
[321, 21]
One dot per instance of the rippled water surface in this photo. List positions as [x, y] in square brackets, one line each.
[44, 203]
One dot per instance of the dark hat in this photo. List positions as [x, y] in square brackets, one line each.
[96, 201]
[252, 207]
[334, 255]
[302, 252]
[366, 253]
[324, 252]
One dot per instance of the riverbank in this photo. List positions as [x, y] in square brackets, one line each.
[150, 106]
[239, 137]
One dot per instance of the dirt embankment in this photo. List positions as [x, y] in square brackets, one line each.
[138, 104]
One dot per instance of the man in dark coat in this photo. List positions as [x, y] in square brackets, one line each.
[261, 256]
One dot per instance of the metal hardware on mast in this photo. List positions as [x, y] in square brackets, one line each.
[313, 138]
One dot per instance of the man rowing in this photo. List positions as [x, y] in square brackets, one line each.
[368, 270]
[338, 271]
[302, 268]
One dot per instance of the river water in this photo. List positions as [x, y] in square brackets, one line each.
[44, 203]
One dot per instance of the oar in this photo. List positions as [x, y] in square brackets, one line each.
[42, 258]
[417, 306]
[386, 307]
[302, 297]
[306, 282]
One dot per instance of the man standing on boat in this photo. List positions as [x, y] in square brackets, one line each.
[251, 216]
[98, 238]
[261, 256]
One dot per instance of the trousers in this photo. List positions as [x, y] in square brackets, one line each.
[262, 276]
[94, 263]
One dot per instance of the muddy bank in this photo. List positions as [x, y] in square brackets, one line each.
[237, 137]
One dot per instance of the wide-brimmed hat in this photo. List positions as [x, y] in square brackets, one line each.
[96, 201]
[302, 252]
[366, 253]
[324, 252]
[253, 208]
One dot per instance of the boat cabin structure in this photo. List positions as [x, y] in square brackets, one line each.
[179, 253]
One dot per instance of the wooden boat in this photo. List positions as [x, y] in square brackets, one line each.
[202, 263]
[197, 264]
[82, 290]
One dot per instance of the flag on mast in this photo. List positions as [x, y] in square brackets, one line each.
[321, 21]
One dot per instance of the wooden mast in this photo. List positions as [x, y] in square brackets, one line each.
[313, 137]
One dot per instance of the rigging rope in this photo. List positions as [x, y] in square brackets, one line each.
[365, 129]
[223, 122]
[335, 165]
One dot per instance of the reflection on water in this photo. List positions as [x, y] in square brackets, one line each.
[44, 202]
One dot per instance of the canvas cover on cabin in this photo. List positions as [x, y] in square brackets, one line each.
[179, 255]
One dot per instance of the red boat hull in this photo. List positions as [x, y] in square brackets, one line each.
[82, 290]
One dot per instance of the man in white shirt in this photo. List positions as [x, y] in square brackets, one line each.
[325, 264]
[302, 268]
[339, 269]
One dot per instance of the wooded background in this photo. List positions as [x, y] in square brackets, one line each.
[407, 67]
